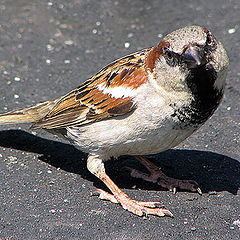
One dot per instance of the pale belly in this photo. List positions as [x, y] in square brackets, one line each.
[115, 137]
[150, 129]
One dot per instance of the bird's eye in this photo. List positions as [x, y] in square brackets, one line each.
[171, 57]
[210, 40]
[167, 52]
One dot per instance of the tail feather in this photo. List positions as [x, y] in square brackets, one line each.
[27, 115]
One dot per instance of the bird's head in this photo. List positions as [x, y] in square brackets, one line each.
[186, 49]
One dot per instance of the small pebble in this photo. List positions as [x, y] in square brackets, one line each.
[17, 79]
[160, 35]
[49, 171]
[133, 26]
[231, 30]
[237, 222]
[87, 51]
[130, 35]
[48, 61]
[126, 44]
[52, 210]
[98, 23]
[12, 159]
[49, 47]
[50, 3]
[193, 229]
[16, 96]
[68, 42]
[66, 61]
[63, 25]
[228, 108]
[94, 31]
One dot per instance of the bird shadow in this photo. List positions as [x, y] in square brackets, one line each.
[213, 171]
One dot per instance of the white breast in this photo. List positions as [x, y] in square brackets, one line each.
[147, 130]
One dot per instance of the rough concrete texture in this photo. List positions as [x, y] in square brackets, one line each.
[49, 47]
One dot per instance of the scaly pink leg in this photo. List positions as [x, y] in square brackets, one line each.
[96, 166]
[157, 176]
[137, 207]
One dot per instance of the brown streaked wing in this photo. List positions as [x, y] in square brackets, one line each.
[87, 103]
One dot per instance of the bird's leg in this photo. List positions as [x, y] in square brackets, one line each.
[157, 176]
[95, 166]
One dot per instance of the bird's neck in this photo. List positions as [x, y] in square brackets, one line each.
[206, 97]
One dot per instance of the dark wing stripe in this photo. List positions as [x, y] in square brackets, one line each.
[82, 94]
[87, 103]
[63, 104]
[60, 120]
[121, 109]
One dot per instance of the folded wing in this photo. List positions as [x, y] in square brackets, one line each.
[108, 93]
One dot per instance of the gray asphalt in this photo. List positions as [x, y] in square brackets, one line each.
[48, 48]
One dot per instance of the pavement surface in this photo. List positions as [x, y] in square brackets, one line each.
[48, 48]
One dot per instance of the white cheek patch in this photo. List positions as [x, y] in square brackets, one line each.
[117, 92]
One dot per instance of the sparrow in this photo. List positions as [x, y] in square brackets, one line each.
[143, 103]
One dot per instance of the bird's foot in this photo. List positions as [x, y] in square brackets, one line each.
[157, 176]
[139, 208]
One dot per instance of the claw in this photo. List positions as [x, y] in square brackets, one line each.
[96, 192]
[174, 190]
[150, 204]
[168, 213]
[199, 190]
[157, 176]
[140, 208]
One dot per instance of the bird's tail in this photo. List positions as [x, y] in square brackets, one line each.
[27, 115]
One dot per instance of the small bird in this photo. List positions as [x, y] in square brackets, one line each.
[144, 103]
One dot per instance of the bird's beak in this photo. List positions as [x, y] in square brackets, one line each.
[194, 56]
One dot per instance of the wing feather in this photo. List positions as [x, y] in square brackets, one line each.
[95, 100]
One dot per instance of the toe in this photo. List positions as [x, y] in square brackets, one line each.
[104, 195]
[150, 204]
